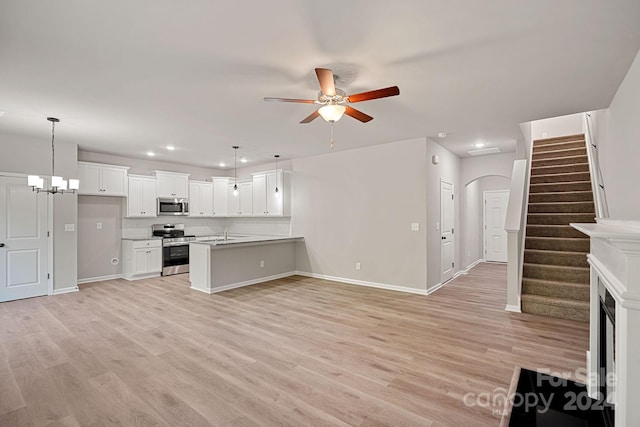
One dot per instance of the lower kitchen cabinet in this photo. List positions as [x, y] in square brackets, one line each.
[141, 258]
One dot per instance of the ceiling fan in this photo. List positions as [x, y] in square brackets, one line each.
[335, 102]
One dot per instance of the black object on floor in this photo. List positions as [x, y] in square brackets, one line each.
[549, 401]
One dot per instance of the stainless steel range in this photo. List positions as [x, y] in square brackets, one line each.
[175, 248]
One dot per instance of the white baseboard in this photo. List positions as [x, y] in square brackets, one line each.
[65, 290]
[363, 283]
[457, 274]
[473, 264]
[245, 283]
[99, 278]
[513, 308]
[436, 287]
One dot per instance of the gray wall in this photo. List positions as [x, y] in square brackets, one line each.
[618, 131]
[96, 247]
[357, 206]
[33, 156]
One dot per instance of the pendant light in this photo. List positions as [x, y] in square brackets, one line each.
[235, 170]
[58, 185]
[277, 156]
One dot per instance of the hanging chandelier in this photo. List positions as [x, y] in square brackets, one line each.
[58, 184]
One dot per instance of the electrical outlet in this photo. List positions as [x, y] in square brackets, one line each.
[98, 226]
[357, 266]
[261, 263]
[69, 227]
[415, 226]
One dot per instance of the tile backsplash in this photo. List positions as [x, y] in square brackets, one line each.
[139, 228]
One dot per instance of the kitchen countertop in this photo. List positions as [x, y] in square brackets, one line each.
[245, 239]
[141, 239]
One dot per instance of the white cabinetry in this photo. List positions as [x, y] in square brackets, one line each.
[266, 202]
[102, 180]
[141, 201]
[141, 258]
[220, 196]
[172, 185]
[200, 198]
[242, 204]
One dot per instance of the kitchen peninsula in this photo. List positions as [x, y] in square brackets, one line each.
[221, 264]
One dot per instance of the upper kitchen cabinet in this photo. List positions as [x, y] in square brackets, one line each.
[172, 185]
[142, 197]
[102, 180]
[220, 196]
[268, 202]
[242, 204]
[200, 198]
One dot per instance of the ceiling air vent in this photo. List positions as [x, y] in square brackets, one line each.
[484, 151]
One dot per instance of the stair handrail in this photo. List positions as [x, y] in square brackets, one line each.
[597, 183]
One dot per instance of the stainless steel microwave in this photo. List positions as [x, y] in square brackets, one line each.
[173, 207]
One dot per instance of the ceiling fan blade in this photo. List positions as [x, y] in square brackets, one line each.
[301, 101]
[374, 94]
[358, 115]
[327, 84]
[310, 117]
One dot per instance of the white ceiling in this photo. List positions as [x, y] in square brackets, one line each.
[128, 76]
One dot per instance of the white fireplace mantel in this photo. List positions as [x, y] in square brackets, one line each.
[615, 261]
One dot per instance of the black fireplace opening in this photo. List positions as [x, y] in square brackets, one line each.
[606, 343]
[543, 400]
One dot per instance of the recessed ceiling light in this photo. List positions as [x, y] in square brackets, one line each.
[479, 144]
[442, 134]
[222, 164]
[170, 147]
[243, 160]
[150, 153]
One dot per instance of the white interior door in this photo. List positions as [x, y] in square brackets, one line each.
[495, 236]
[446, 230]
[23, 240]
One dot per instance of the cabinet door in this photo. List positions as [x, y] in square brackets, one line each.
[246, 198]
[140, 261]
[275, 200]
[181, 187]
[89, 176]
[260, 195]
[195, 207]
[206, 199]
[165, 185]
[114, 182]
[155, 260]
[148, 197]
[220, 197]
[134, 200]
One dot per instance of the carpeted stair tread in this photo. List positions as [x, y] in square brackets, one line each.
[557, 187]
[552, 230]
[560, 177]
[566, 196]
[576, 143]
[558, 218]
[557, 161]
[562, 207]
[571, 244]
[556, 139]
[559, 153]
[554, 169]
[557, 258]
[556, 307]
[560, 273]
[551, 288]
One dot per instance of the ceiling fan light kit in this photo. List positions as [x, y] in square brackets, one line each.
[335, 101]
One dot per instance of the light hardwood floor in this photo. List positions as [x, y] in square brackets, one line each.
[296, 351]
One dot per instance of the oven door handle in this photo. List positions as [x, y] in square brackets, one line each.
[168, 245]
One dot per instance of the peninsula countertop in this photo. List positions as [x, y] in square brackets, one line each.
[236, 240]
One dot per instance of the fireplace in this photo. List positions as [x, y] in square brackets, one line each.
[607, 339]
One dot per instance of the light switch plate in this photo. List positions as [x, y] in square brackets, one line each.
[69, 227]
[98, 226]
[415, 226]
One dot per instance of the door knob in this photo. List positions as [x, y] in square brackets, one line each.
[1, 245]
[444, 238]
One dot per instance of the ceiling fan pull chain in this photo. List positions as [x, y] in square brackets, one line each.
[331, 135]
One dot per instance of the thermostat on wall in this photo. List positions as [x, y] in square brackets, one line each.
[435, 159]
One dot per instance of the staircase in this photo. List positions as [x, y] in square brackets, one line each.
[555, 278]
